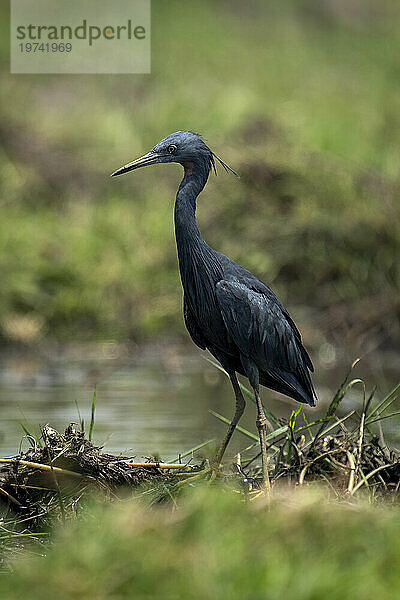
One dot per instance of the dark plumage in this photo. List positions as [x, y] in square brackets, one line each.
[227, 309]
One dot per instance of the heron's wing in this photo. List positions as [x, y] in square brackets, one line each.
[263, 331]
[192, 327]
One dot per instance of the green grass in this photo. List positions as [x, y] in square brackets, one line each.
[215, 545]
[302, 100]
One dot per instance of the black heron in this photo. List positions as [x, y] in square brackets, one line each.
[227, 309]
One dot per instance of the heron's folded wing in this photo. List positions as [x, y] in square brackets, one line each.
[262, 332]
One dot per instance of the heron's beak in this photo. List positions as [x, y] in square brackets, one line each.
[148, 159]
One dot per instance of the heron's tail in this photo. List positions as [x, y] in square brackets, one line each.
[296, 386]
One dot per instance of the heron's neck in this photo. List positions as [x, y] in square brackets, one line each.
[186, 231]
[191, 246]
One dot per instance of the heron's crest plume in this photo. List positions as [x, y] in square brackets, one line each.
[225, 166]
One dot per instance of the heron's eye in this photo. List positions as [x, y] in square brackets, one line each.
[171, 148]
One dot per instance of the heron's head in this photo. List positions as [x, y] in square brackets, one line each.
[183, 147]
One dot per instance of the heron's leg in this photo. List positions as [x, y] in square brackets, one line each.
[240, 404]
[262, 432]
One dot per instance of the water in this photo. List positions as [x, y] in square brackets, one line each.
[150, 401]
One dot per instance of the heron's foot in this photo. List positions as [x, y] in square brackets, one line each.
[215, 469]
[263, 492]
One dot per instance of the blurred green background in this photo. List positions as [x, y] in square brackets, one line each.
[302, 98]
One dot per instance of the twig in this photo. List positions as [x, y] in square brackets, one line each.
[156, 465]
[352, 475]
[9, 497]
[23, 486]
[26, 463]
[371, 474]
[359, 445]
[306, 467]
